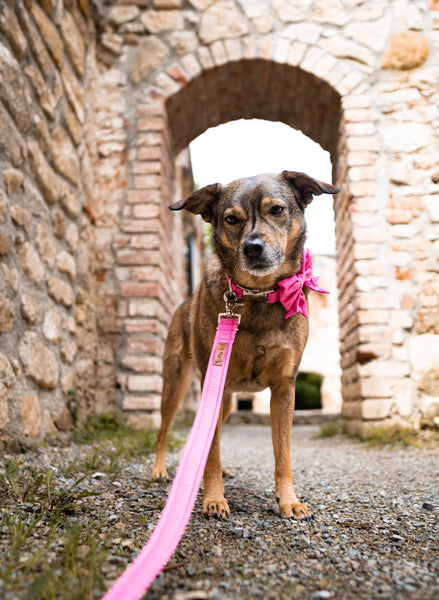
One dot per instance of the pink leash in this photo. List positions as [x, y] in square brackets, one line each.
[133, 583]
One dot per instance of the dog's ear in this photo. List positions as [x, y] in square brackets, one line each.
[200, 202]
[307, 186]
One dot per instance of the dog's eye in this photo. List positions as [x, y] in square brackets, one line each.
[231, 219]
[276, 210]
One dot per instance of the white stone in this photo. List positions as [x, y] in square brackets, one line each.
[424, 353]
[221, 21]
[52, 326]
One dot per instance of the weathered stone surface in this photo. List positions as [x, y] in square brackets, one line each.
[150, 55]
[30, 263]
[4, 245]
[221, 21]
[72, 237]
[7, 315]
[11, 277]
[341, 47]
[74, 92]
[13, 180]
[71, 203]
[49, 34]
[15, 149]
[156, 21]
[65, 158]
[21, 217]
[291, 11]
[68, 351]
[407, 50]
[46, 98]
[183, 41]
[52, 326]
[58, 224]
[46, 178]
[2, 210]
[39, 362]
[423, 353]
[63, 420]
[60, 291]
[74, 43]
[31, 309]
[66, 264]
[46, 247]
[123, 14]
[7, 379]
[30, 414]
[10, 27]
[14, 91]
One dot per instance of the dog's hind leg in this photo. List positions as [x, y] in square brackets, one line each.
[177, 373]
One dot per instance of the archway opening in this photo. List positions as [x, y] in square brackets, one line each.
[247, 147]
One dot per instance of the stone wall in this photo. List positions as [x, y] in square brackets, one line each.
[48, 310]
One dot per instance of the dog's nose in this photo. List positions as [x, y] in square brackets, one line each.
[253, 247]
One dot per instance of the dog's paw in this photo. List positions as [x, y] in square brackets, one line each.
[159, 474]
[219, 509]
[295, 510]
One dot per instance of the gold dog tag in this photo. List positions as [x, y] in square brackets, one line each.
[219, 354]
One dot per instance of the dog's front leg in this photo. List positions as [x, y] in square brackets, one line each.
[282, 408]
[214, 502]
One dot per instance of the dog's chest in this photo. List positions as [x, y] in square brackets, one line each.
[257, 361]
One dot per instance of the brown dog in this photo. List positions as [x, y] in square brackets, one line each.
[259, 232]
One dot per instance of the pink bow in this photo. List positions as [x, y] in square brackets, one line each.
[289, 292]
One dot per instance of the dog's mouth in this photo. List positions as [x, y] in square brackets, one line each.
[262, 261]
[259, 269]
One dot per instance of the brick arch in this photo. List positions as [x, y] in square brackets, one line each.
[320, 96]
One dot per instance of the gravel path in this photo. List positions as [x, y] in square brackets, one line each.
[374, 535]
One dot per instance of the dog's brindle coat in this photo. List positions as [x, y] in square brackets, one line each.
[258, 239]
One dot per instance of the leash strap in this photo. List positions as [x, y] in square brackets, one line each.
[133, 583]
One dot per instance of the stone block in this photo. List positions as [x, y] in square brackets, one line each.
[147, 402]
[13, 180]
[163, 20]
[30, 414]
[150, 421]
[52, 326]
[376, 409]
[7, 315]
[60, 291]
[39, 362]
[220, 21]
[30, 263]
[49, 34]
[44, 174]
[74, 42]
[406, 50]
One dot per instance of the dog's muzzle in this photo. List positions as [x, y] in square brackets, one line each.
[258, 258]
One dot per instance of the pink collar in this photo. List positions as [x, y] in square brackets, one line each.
[289, 292]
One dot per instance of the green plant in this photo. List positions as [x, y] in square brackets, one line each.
[308, 391]
[381, 435]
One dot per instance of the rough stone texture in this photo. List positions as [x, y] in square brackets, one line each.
[39, 362]
[89, 134]
[406, 50]
[30, 414]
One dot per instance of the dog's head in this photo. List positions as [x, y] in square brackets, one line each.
[258, 223]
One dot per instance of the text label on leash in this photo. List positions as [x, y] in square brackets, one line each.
[219, 354]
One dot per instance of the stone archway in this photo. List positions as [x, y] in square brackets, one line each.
[320, 96]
